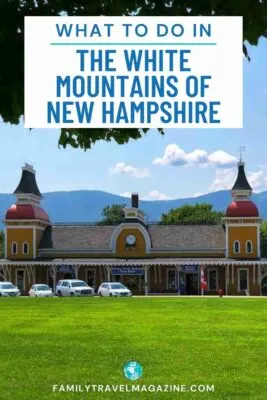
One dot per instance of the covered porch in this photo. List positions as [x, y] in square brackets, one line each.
[144, 276]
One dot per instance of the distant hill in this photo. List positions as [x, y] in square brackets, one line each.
[87, 205]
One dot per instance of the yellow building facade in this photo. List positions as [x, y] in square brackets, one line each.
[148, 258]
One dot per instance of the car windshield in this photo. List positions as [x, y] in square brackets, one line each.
[43, 287]
[79, 284]
[7, 286]
[117, 286]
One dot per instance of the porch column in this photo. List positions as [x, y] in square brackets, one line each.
[100, 268]
[155, 274]
[254, 274]
[7, 273]
[53, 273]
[34, 274]
[159, 271]
[260, 277]
[2, 273]
[178, 279]
[76, 271]
[108, 272]
[146, 281]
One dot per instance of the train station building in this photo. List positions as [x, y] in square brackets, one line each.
[149, 258]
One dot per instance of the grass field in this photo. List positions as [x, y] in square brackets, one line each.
[178, 341]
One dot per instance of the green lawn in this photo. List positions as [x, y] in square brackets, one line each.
[178, 341]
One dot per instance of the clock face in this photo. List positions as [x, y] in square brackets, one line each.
[130, 240]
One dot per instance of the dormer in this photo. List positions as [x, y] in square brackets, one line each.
[133, 213]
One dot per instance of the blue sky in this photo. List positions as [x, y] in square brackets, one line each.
[183, 163]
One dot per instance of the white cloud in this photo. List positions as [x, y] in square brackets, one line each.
[225, 179]
[198, 194]
[220, 158]
[156, 195]
[175, 156]
[126, 194]
[256, 180]
[122, 168]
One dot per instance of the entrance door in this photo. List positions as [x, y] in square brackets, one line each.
[191, 284]
[133, 283]
[264, 286]
[20, 279]
[90, 277]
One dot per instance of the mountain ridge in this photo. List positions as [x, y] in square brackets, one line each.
[87, 205]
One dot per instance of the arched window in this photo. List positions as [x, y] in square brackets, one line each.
[25, 248]
[14, 248]
[236, 247]
[249, 248]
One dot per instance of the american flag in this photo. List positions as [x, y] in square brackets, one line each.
[203, 281]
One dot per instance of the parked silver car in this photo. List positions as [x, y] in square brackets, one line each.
[74, 287]
[7, 289]
[115, 289]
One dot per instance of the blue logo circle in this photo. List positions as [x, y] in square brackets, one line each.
[133, 370]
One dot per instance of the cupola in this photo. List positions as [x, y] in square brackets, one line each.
[242, 221]
[133, 213]
[28, 197]
[242, 206]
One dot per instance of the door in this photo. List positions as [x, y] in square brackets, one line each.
[264, 286]
[20, 279]
[191, 284]
[133, 283]
[90, 277]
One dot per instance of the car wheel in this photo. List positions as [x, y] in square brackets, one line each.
[110, 294]
[59, 293]
[71, 294]
[100, 294]
[0, 294]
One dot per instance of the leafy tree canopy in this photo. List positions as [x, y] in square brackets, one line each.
[12, 14]
[113, 214]
[264, 239]
[264, 229]
[192, 215]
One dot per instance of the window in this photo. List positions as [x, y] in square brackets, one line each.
[171, 279]
[213, 279]
[236, 246]
[249, 246]
[14, 248]
[25, 248]
[243, 279]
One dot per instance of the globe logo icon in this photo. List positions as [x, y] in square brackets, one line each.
[133, 370]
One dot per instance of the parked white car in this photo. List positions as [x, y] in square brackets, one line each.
[74, 287]
[40, 290]
[8, 289]
[116, 289]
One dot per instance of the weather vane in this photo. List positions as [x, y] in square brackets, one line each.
[28, 162]
[241, 150]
